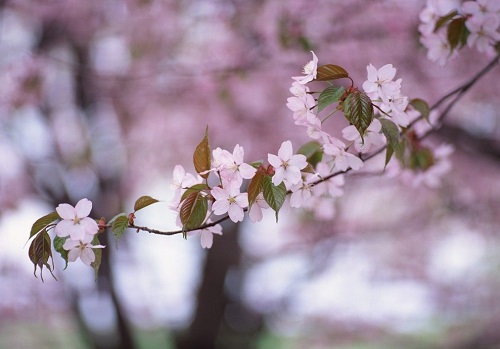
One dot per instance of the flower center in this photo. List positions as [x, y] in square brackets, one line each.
[76, 220]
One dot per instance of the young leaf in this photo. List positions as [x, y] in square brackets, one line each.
[144, 201]
[457, 33]
[422, 107]
[193, 211]
[119, 226]
[391, 132]
[358, 110]
[329, 95]
[193, 189]
[274, 195]
[201, 157]
[330, 72]
[255, 187]
[256, 164]
[58, 246]
[40, 252]
[313, 151]
[444, 19]
[43, 222]
[98, 256]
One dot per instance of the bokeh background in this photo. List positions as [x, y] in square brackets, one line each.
[100, 99]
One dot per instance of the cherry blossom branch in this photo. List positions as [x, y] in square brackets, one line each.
[458, 93]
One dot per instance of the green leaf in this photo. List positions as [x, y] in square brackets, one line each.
[457, 33]
[358, 110]
[422, 107]
[255, 187]
[330, 72]
[98, 256]
[58, 246]
[43, 222]
[40, 252]
[193, 189]
[391, 132]
[329, 95]
[444, 19]
[313, 151]
[144, 201]
[119, 226]
[193, 211]
[256, 164]
[201, 157]
[274, 195]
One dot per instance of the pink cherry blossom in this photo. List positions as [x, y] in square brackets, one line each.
[310, 71]
[301, 192]
[229, 200]
[234, 169]
[82, 249]
[75, 221]
[286, 165]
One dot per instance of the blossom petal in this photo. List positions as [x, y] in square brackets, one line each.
[89, 225]
[63, 228]
[235, 213]
[87, 256]
[73, 254]
[70, 244]
[66, 211]
[83, 208]
[220, 207]
[77, 232]
[285, 151]
[206, 239]
[274, 160]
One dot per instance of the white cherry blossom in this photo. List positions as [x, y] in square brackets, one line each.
[310, 71]
[371, 137]
[75, 222]
[229, 200]
[207, 235]
[286, 165]
[81, 248]
[255, 211]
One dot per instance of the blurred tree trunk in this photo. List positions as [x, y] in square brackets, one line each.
[210, 328]
[106, 203]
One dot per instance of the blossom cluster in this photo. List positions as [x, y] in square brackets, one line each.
[79, 231]
[304, 179]
[481, 19]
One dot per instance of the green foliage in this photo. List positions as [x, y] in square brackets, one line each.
[444, 19]
[193, 189]
[98, 256]
[193, 210]
[43, 222]
[391, 132]
[120, 224]
[274, 195]
[201, 157]
[421, 159]
[144, 201]
[313, 151]
[457, 33]
[330, 95]
[358, 109]
[331, 72]
[422, 107]
[58, 246]
[40, 253]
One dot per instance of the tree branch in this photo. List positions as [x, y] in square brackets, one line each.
[457, 93]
